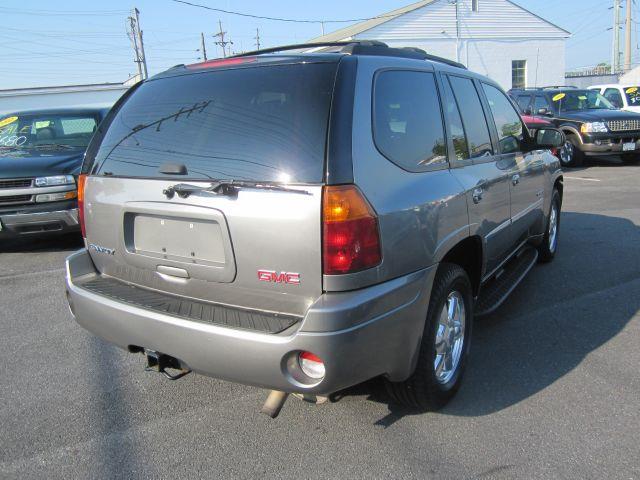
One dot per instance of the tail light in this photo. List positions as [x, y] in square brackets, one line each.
[82, 180]
[351, 240]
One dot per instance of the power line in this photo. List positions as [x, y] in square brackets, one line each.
[279, 19]
[48, 13]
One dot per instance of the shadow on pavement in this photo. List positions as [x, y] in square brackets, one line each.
[558, 315]
[46, 243]
[112, 416]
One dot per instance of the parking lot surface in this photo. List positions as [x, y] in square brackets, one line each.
[552, 389]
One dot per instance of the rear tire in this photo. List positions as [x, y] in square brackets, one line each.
[570, 155]
[437, 376]
[549, 246]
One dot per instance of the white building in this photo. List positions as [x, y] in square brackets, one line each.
[93, 95]
[497, 38]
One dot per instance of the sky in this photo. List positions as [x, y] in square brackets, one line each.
[79, 42]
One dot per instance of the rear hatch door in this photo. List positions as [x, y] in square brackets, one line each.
[207, 185]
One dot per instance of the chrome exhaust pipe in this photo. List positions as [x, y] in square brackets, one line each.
[274, 402]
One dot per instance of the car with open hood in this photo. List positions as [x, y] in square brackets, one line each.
[41, 153]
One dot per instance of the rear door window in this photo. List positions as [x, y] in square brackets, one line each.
[507, 121]
[456, 127]
[475, 123]
[523, 102]
[265, 123]
[407, 119]
[540, 102]
[614, 96]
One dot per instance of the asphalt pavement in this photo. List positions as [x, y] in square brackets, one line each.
[552, 389]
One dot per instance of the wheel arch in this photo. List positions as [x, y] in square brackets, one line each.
[558, 184]
[571, 130]
[468, 254]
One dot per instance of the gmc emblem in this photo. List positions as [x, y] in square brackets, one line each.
[279, 277]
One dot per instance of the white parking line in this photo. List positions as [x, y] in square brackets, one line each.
[583, 178]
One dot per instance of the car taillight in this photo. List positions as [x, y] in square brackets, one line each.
[350, 236]
[82, 180]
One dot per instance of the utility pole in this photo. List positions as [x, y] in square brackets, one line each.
[203, 47]
[615, 57]
[143, 57]
[135, 35]
[457, 31]
[131, 33]
[627, 39]
[222, 41]
[257, 37]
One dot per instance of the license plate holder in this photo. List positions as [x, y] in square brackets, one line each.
[628, 146]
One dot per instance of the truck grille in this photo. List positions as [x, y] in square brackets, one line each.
[16, 183]
[15, 199]
[623, 125]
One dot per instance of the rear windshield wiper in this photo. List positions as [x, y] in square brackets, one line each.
[227, 188]
[53, 145]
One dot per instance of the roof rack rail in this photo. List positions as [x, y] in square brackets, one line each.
[360, 47]
[553, 87]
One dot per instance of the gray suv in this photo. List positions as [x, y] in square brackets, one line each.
[304, 222]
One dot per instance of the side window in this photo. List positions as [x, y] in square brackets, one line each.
[475, 124]
[78, 126]
[523, 102]
[407, 119]
[455, 123]
[613, 95]
[540, 102]
[508, 122]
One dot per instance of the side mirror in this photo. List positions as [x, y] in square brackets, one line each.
[543, 111]
[546, 138]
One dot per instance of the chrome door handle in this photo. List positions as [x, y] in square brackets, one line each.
[477, 195]
[515, 179]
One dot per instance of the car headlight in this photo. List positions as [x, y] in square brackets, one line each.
[55, 181]
[594, 127]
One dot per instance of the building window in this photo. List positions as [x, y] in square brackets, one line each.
[474, 5]
[518, 74]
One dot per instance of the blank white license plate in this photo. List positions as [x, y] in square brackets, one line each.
[628, 146]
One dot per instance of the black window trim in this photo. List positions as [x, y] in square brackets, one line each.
[484, 105]
[426, 168]
[453, 159]
[492, 125]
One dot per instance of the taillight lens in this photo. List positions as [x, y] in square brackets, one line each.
[351, 240]
[82, 180]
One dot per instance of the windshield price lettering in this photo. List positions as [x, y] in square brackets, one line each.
[13, 141]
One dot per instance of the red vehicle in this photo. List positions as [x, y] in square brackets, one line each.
[533, 123]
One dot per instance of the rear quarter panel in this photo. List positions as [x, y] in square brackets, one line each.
[421, 215]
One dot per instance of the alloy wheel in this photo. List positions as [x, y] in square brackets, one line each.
[449, 337]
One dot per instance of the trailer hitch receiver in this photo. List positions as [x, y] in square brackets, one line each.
[159, 362]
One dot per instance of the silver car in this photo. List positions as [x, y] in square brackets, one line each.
[304, 222]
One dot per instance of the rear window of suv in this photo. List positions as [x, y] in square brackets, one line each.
[264, 123]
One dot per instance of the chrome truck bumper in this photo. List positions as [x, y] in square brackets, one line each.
[358, 334]
[29, 223]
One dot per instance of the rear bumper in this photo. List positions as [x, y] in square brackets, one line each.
[39, 222]
[359, 334]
